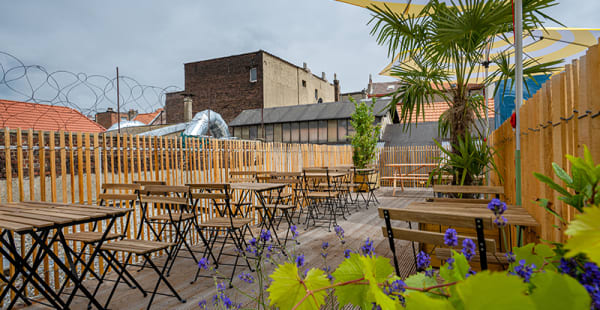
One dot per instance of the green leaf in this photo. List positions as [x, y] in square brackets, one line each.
[551, 184]
[561, 173]
[418, 300]
[493, 291]
[585, 234]
[459, 270]
[558, 291]
[419, 280]
[539, 254]
[374, 270]
[288, 288]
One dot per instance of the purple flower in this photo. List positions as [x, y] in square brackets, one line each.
[468, 248]
[202, 304]
[450, 262]
[523, 270]
[450, 238]
[294, 231]
[253, 242]
[429, 272]
[594, 291]
[367, 248]
[246, 277]
[347, 253]
[325, 245]
[339, 232]
[497, 206]
[265, 235]
[394, 288]
[470, 273]
[423, 261]
[591, 274]
[568, 266]
[510, 256]
[500, 221]
[203, 263]
[300, 260]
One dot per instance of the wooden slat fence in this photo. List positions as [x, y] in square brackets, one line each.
[558, 120]
[407, 155]
[70, 167]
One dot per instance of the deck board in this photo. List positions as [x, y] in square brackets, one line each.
[359, 226]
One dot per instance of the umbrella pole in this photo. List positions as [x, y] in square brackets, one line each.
[518, 101]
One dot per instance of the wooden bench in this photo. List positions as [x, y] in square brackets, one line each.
[438, 217]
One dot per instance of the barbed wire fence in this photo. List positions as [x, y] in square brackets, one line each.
[88, 94]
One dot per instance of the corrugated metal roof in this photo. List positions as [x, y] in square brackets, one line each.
[306, 112]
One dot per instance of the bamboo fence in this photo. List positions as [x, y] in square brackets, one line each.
[558, 120]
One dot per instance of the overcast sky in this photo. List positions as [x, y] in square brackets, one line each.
[151, 40]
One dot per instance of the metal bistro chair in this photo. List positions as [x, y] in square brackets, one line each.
[227, 222]
[283, 204]
[318, 195]
[115, 195]
[172, 213]
[145, 249]
[369, 184]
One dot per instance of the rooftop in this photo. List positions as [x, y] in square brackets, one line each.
[148, 118]
[306, 112]
[27, 115]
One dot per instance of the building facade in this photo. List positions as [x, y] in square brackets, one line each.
[326, 123]
[256, 80]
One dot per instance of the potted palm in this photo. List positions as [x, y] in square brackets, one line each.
[364, 140]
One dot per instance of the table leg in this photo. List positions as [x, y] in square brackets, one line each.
[481, 243]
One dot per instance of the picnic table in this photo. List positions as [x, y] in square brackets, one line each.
[38, 220]
[410, 175]
[458, 215]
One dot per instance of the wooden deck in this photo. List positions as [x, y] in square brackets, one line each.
[359, 226]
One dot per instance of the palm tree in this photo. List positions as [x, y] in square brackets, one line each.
[442, 47]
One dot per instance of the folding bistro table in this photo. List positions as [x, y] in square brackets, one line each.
[267, 214]
[44, 222]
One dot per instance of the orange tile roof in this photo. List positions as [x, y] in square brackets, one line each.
[26, 115]
[434, 110]
[147, 118]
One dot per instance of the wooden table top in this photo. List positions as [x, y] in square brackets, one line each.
[412, 165]
[258, 187]
[324, 175]
[515, 215]
[468, 189]
[30, 215]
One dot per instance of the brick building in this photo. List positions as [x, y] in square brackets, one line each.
[229, 85]
[110, 117]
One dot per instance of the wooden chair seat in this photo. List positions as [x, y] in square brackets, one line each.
[138, 247]
[322, 195]
[279, 206]
[175, 216]
[90, 236]
[493, 258]
[224, 222]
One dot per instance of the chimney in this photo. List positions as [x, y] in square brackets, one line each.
[131, 114]
[336, 88]
[109, 110]
[304, 66]
[187, 107]
[370, 87]
[323, 76]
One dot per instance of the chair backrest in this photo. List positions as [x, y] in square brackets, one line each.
[313, 176]
[242, 176]
[145, 183]
[213, 192]
[118, 193]
[165, 190]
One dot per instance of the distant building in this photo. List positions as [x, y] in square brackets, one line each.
[110, 117]
[357, 95]
[26, 115]
[256, 80]
[327, 123]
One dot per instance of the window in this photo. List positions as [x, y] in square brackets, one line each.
[253, 133]
[351, 130]
[253, 75]
[304, 132]
[322, 131]
[316, 94]
[343, 130]
[269, 132]
[277, 132]
[303, 83]
[285, 128]
[313, 132]
[295, 132]
[332, 136]
[246, 132]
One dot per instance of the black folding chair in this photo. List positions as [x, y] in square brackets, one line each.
[320, 192]
[170, 212]
[226, 222]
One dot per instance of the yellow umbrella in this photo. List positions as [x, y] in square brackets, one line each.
[542, 45]
[398, 6]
